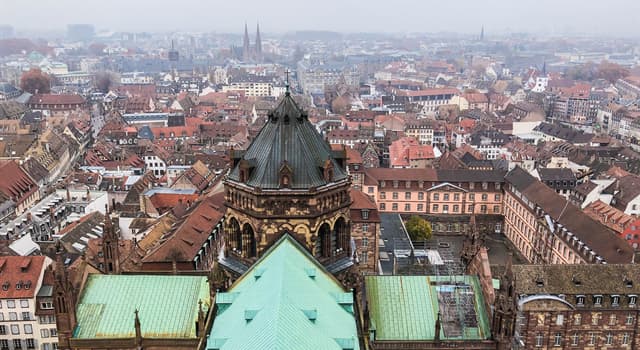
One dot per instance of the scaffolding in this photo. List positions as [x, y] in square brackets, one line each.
[454, 291]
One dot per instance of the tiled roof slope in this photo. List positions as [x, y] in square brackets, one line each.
[23, 270]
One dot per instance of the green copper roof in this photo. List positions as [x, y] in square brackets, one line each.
[406, 307]
[285, 301]
[168, 306]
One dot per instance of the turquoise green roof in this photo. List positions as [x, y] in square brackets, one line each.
[168, 306]
[285, 301]
[406, 307]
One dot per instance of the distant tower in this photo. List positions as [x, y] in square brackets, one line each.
[174, 55]
[258, 43]
[482, 34]
[246, 48]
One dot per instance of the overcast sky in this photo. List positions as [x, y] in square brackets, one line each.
[609, 17]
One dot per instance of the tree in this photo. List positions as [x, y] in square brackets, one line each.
[418, 228]
[34, 81]
[611, 72]
[340, 105]
[585, 72]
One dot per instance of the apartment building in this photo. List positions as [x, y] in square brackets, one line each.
[27, 318]
[577, 306]
[447, 198]
[547, 229]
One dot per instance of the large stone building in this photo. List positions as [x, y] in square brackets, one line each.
[546, 228]
[577, 306]
[288, 181]
[446, 197]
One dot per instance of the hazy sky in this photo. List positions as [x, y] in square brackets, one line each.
[618, 17]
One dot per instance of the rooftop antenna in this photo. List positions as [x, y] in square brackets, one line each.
[286, 83]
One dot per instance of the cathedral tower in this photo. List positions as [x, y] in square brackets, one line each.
[288, 181]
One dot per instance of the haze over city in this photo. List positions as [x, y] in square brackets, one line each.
[336, 175]
[549, 17]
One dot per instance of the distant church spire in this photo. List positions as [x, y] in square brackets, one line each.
[482, 34]
[246, 45]
[258, 43]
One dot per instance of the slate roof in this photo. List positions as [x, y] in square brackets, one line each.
[556, 174]
[287, 300]
[594, 279]
[107, 304]
[563, 132]
[11, 110]
[288, 136]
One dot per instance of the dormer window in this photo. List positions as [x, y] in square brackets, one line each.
[395, 183]
[382, 183]
[365, 214]
[580, 300]
[327, 170]
[597, 300]
[633, 299]
[615, 300]
[286, 174]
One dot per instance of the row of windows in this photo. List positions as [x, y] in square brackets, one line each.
[13, 316]
[472, 185]
[11, 304]
[436, 196]
[446, 208]
[18, 344]
[15, 329]
[614, 299]
[590, 339]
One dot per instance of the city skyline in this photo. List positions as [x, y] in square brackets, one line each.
[499, 17]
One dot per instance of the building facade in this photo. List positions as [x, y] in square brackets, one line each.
[577, 307]
[547, 229]
[26, 313]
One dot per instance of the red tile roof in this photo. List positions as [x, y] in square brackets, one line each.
[427, 92]
[362, 201]
[388, 174]
[24, 271]
[165, 201]
[190, 234]
[51, 99]
[406, 149]
[15, 183]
